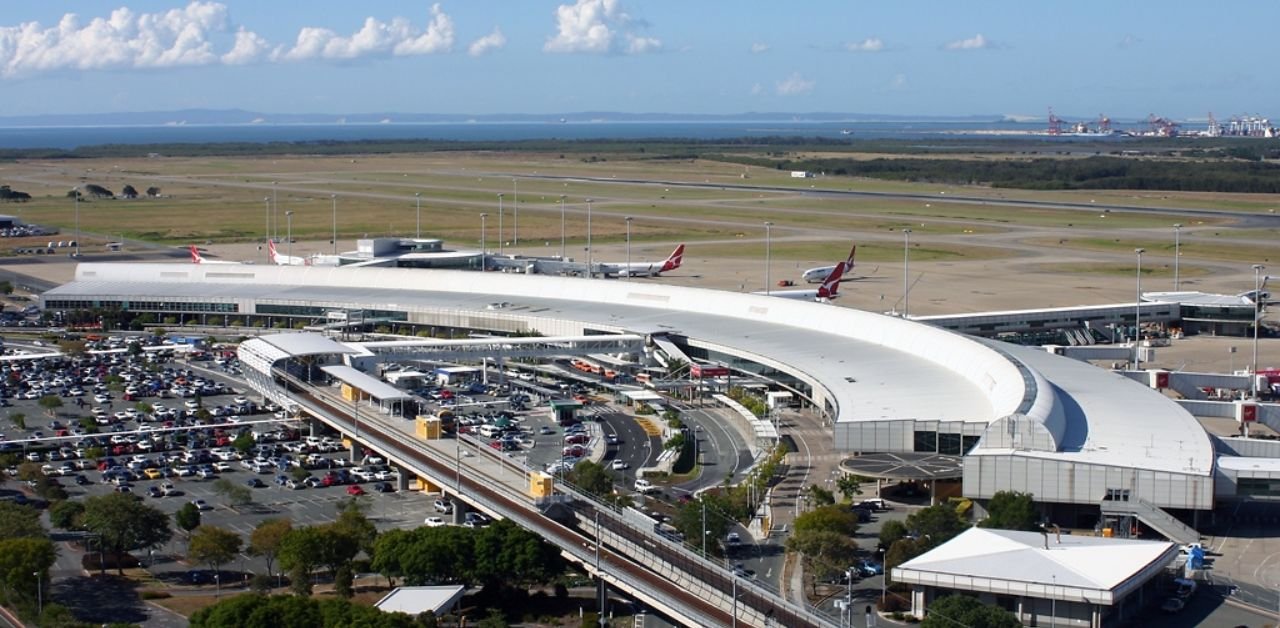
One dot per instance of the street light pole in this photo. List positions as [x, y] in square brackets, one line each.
[562, 227]
[1053, 602]
[628, 221]
[906, 272]
[515, 209]
[334, 198]
[39, 593]
[77, 197]
[1137, 314]
[704, 526]
[768, 245]
[275, 212]
[589, 274]
[266, 200]
[483, 264]
[288, 234]
[501, 237]
[417, 197]
[1257, 322]
[1177, 246]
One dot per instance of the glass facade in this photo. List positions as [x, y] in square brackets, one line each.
[141, 306]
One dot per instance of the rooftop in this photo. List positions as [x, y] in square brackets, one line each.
[1066, 567]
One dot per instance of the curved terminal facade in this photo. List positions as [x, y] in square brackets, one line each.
[1022, 418]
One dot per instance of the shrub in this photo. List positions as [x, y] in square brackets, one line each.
[155, 595]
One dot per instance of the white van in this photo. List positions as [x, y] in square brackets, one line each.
[489, 431]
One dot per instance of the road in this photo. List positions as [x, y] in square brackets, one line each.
[481, 488]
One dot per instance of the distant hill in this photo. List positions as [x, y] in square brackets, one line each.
[241, 116]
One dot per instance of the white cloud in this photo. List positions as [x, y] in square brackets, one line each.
[493, 41]
[757, 89]
[759, 47]
[125, 39]
[794, 84]
[249, 48]
[870, 44]
[598, 27]
[977, 42]
[181, 37]
[397, 37]
[899, 81]
[1128, 41]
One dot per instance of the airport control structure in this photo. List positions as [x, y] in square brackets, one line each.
[1097, 448]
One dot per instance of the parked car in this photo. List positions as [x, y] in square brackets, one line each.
[201, 504]
[433, 522]
[355, 490]
[442, 506]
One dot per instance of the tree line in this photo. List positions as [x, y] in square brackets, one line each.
[1089, 173]
[10, 195]
[97, 191]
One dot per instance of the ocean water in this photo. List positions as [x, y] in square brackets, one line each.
[72, 137]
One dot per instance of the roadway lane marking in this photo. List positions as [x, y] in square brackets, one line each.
[649, 426]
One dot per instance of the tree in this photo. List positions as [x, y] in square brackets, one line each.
[188, 519]
[66, 514]
[153, 191]
[19, 420]
[266, 539]
[353, 523]
[692, 523]
[6, 287]
[1011, 510]
[342, 581]
[215, 547]
[21, 557]
[128, 191]
[244, 443]
[961, 610]
[821, 496]
[591, 477]
[97, 191]
[508, 554]
[19, 521]
[938, 524]
[122, 523]
[236, 494]
[828, 553]
[849, 485]
[890, 532]
[50, 403]
[832, 518]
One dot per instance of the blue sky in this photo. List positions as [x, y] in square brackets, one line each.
[943, 57]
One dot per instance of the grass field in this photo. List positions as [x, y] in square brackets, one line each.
[217, 199]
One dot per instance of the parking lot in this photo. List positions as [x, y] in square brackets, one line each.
[167, 428]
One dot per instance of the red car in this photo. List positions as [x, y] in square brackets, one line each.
[355, 490]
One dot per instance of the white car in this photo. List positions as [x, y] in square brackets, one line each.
[201, 504]
[434, 522]
[620, 465]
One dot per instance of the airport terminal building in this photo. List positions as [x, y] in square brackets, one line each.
[1083, 440]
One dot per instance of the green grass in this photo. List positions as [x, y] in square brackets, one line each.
[1161, 248]
[1119, 270]
[833, 251]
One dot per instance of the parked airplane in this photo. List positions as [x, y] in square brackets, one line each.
[823, 294]
[197, 258]
[642, 269]
[283, 260]
[820, 274]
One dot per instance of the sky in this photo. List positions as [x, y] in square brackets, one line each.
[908, 57]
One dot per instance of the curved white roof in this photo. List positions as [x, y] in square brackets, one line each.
[868, 366]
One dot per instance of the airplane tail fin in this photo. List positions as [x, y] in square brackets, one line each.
[195, 254]
[271, 251]
[674, 260]
[852, 251]
[831, 285]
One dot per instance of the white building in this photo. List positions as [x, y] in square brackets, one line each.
[1043, 579]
